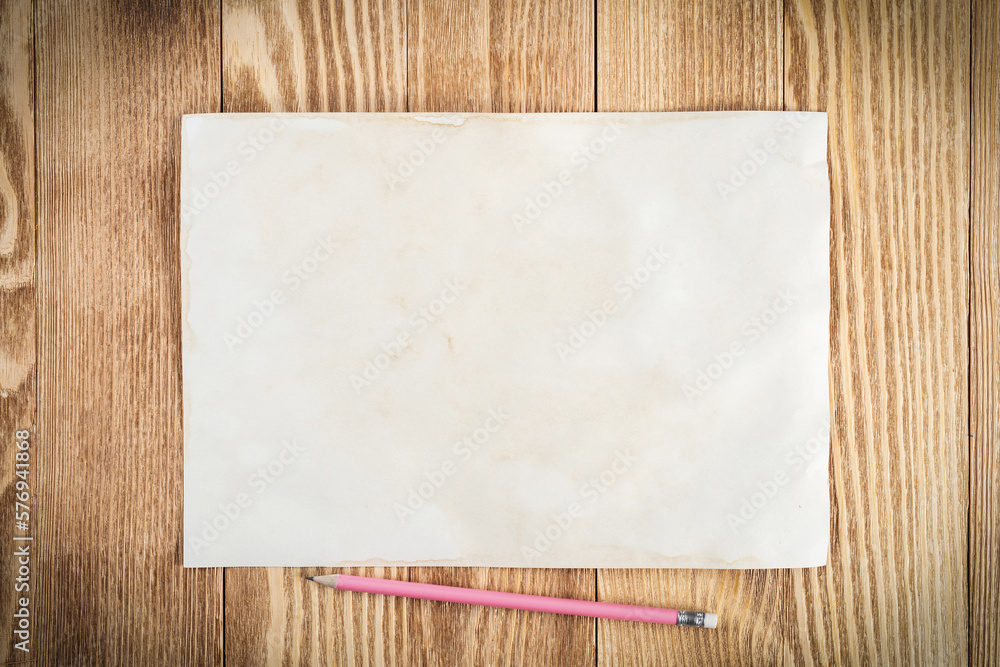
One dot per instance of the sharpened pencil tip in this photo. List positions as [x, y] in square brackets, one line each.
[310, 578]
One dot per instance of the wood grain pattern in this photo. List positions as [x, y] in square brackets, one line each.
[313, 57]
[503, 57]
[17, 288]
[689, 55]
[329, 55]
[275, 617]
[113, 80]
[915, 271]
[895, 83]
[467, 635]
[984, 339]
[894, 78]
[269, 50]
[683, 56]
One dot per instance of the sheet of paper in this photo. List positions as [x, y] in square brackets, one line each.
[554, 340]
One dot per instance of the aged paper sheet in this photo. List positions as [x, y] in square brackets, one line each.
[552, 340]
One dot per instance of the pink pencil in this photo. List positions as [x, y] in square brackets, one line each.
[624, 612]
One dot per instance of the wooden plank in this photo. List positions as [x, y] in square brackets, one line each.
[984, 342]
[275, 617]
[896, 85]
[504, 57]
[17, 307]
[682, 56]
[288, 56]
[895, 81]
[280, 57]
[689, 55]
[517, 56]
[111, 89]
[328, 55]
[466, 635]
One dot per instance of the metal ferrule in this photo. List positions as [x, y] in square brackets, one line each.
[695, 618]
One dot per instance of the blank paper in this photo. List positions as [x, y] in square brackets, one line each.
[550, 340]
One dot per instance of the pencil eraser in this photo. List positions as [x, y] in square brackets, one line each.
[711, 620]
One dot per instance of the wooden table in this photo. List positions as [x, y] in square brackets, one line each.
[92, 95]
